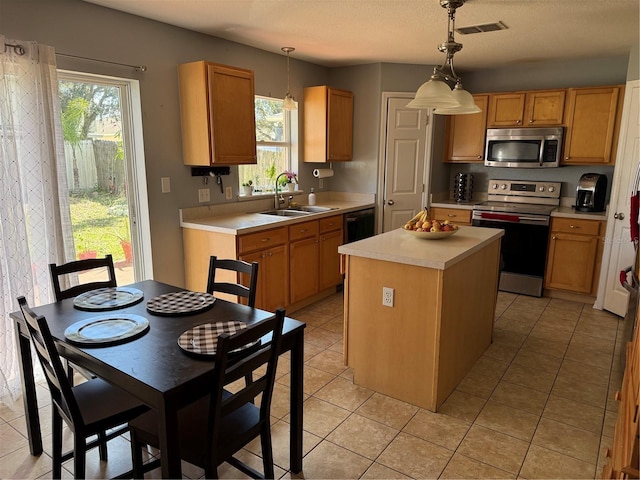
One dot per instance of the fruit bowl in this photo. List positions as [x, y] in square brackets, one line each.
[431, 235]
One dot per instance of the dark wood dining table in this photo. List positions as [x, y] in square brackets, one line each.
[154, 368]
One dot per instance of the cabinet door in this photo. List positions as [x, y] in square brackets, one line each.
[339, 125]
[590, 123]
[506, 109]
[217, 114]
[232, 115]
[303, 271]
[545, 108]
[571, 262]
[466, 134]
[330, 275]
[273, 282]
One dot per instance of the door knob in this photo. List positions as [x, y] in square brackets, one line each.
[390, 202]
[618, 216]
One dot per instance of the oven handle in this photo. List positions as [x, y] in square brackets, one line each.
[511, 218]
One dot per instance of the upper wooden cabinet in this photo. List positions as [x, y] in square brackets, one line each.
[217, 114]
[327, 124]
[526, 109]
[466, 133]
[592, 122]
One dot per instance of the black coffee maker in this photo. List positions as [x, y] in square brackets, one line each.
[591, 193]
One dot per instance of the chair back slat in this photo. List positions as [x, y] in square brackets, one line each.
[242, 270]
[60, 271]
[230, 367]
[51, 363]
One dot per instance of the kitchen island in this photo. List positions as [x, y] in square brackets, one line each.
[441, 320]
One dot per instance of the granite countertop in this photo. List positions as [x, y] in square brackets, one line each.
[401, 247]
[239, 223]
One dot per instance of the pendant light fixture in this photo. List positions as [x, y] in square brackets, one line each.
[436, 93]
[289, 103]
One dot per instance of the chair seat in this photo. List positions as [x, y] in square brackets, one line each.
[115, 406]
[193, 428]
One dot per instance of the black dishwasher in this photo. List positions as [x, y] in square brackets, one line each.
[359, 224]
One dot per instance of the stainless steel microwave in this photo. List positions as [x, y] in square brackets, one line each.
[523, 147]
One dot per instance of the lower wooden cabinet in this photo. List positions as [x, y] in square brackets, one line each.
[331, 237]
[304, 258]
[297, 262]
[622, 454]
[273, 284]
[574, 255]
[459, 216]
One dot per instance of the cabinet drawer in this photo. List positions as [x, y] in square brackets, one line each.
[260, 240]
[454, 215]
[330, 223]
[303, 230]
[576, 226]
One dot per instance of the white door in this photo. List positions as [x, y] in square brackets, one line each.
[618, 251]
[406, 171]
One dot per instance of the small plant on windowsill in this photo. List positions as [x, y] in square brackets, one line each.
[247, 188]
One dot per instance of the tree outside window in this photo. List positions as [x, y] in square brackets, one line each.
[273, 146]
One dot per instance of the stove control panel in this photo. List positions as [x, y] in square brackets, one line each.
[525, 188]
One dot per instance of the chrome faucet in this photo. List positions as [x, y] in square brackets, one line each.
[279, 201]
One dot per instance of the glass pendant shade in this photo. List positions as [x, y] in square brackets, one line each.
[465, 101]
[289, 103]
[433, 94]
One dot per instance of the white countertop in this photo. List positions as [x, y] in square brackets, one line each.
[401, 247]
[241, 223]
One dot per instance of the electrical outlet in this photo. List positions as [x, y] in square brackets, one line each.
[387, 296]
[204, 195]
[229, 193]
[321, 183]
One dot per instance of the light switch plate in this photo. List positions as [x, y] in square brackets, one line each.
[165, 183]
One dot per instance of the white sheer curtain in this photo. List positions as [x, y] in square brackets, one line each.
[35, 224]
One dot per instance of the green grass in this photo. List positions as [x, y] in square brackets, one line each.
[100, 220]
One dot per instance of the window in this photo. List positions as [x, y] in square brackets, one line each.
[275, 129]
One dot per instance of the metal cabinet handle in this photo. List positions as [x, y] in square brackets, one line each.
[479, 157]
[266, 239]
[518, 122]
[618, 216]
[302, 230]
[574, 227]
[553, 237]
[452, 215]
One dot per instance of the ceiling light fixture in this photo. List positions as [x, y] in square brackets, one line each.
[436, 93]
[289, 103]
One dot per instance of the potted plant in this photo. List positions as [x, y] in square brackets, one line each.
[289, 181]
[83, 249]
[125, 243]
[246, 189]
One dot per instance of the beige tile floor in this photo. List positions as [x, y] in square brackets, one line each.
[538, 404]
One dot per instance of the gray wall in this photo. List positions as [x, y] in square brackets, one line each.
[83, 29]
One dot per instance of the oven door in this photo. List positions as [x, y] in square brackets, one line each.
[523, 250]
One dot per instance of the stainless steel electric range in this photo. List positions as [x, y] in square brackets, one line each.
[523, 210]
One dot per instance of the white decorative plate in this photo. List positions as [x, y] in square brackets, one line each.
[107, 329]
[103, 299]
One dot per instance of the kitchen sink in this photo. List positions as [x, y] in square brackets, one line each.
[314, 209]
[286, 213]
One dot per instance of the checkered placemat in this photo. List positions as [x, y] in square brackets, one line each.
[180, 303]
[103, 299]
[202, 339]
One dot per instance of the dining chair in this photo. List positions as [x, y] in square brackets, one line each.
[239, 267]
[215, 427]
[88, 409]
[58, 278]
[58, 271]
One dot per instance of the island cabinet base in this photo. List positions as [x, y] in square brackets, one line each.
[441, 322]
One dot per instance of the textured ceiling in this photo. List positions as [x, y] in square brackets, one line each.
[352, 32]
